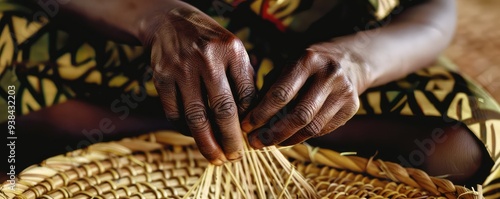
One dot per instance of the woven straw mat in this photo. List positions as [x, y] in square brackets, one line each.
[166, 164]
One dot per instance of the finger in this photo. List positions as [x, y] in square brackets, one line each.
[170, 98]
[280, 93]
[168, 95]
[242, 73]
[302, 114]
[198, 123]
[322, 124]
[342, 116]
[225, 112]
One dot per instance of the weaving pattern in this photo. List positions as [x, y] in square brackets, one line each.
[166, 164]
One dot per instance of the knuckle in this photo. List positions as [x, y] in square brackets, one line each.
[352, 102]
[330, 126]
[234, 43]
[225, 45]
[329, 66]
[246, 93]
[313, 57]
[224, 107]
[348, 88]
[313, 129]
[156, 64]
[229, 43]
[281, 94]
[173, 115]
[310, 55]
[196, 116]
[302, 115]
[352, 109]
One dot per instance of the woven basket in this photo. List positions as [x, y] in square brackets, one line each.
[166, 164]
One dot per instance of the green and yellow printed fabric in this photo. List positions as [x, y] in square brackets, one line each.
[49, 64]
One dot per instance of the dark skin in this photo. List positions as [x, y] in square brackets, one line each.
[209, 61]
[193, 57]
[344, 67]
[213, 57]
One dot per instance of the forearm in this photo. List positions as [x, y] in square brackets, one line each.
[119, 19]
[412, 40]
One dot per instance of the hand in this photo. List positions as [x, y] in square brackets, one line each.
[204, 78]
[323, 87]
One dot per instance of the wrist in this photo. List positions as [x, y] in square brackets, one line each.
[359, 68]
[355, 64]
[148, 25]
[360, 59]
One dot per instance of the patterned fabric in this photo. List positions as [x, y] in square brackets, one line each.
[48, 64]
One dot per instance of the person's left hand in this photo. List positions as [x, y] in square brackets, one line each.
[323, 84]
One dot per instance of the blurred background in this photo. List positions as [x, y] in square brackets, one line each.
[476, 46]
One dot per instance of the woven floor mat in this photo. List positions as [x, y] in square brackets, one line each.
[475, 48]
[166, 164]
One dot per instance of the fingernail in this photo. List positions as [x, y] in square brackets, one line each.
[234, 156]
[217, 162]
[255, 142]
[246, 126]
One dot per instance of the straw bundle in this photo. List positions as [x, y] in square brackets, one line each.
[168, 165]
[263, 173]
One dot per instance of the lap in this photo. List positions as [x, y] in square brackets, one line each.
[437, 147]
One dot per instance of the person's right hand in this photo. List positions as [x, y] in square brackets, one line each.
[203, 76]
